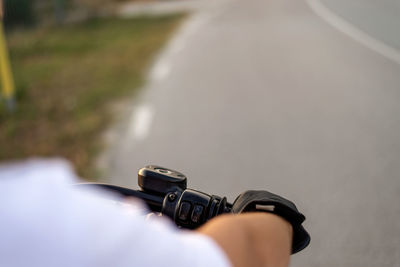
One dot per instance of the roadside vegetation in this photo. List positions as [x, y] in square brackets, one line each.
[67, 77]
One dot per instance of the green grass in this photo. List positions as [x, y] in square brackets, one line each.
[67, 78]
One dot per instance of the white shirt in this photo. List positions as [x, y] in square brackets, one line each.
[44, 221]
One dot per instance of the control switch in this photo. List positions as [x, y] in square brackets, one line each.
[197, 213]
[184, 211]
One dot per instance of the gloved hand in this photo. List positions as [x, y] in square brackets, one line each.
[264, 201]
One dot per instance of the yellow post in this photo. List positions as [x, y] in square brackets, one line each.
[7, 80]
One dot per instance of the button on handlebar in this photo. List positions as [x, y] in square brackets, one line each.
[184, 211]
[197, 213]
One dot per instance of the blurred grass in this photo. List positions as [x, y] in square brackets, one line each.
[66, 79]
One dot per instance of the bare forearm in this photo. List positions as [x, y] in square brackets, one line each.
[252, 239]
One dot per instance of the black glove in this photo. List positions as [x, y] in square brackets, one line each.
[253, 200]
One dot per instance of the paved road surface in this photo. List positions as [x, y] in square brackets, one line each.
[268, 94]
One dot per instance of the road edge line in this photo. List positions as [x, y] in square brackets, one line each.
[350, 30]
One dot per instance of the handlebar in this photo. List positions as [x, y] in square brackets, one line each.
[164, 190]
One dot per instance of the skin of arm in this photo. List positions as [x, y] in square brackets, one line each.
[252, 239]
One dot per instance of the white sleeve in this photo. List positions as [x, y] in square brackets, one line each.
[46, 222]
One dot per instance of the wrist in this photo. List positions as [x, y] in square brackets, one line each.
[272, 238]
[252, 239]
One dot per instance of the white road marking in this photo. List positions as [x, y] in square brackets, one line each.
[163, 66]
[140, 122]
[353, 32]
[177, 45]
[160, 71]
[188, 29]
[142, 117]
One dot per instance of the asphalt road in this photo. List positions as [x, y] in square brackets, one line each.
[270, 95]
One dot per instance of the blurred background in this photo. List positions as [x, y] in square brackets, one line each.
[72, 61]
[300, 98]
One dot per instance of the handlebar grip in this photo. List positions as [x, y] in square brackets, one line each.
[191, 208]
